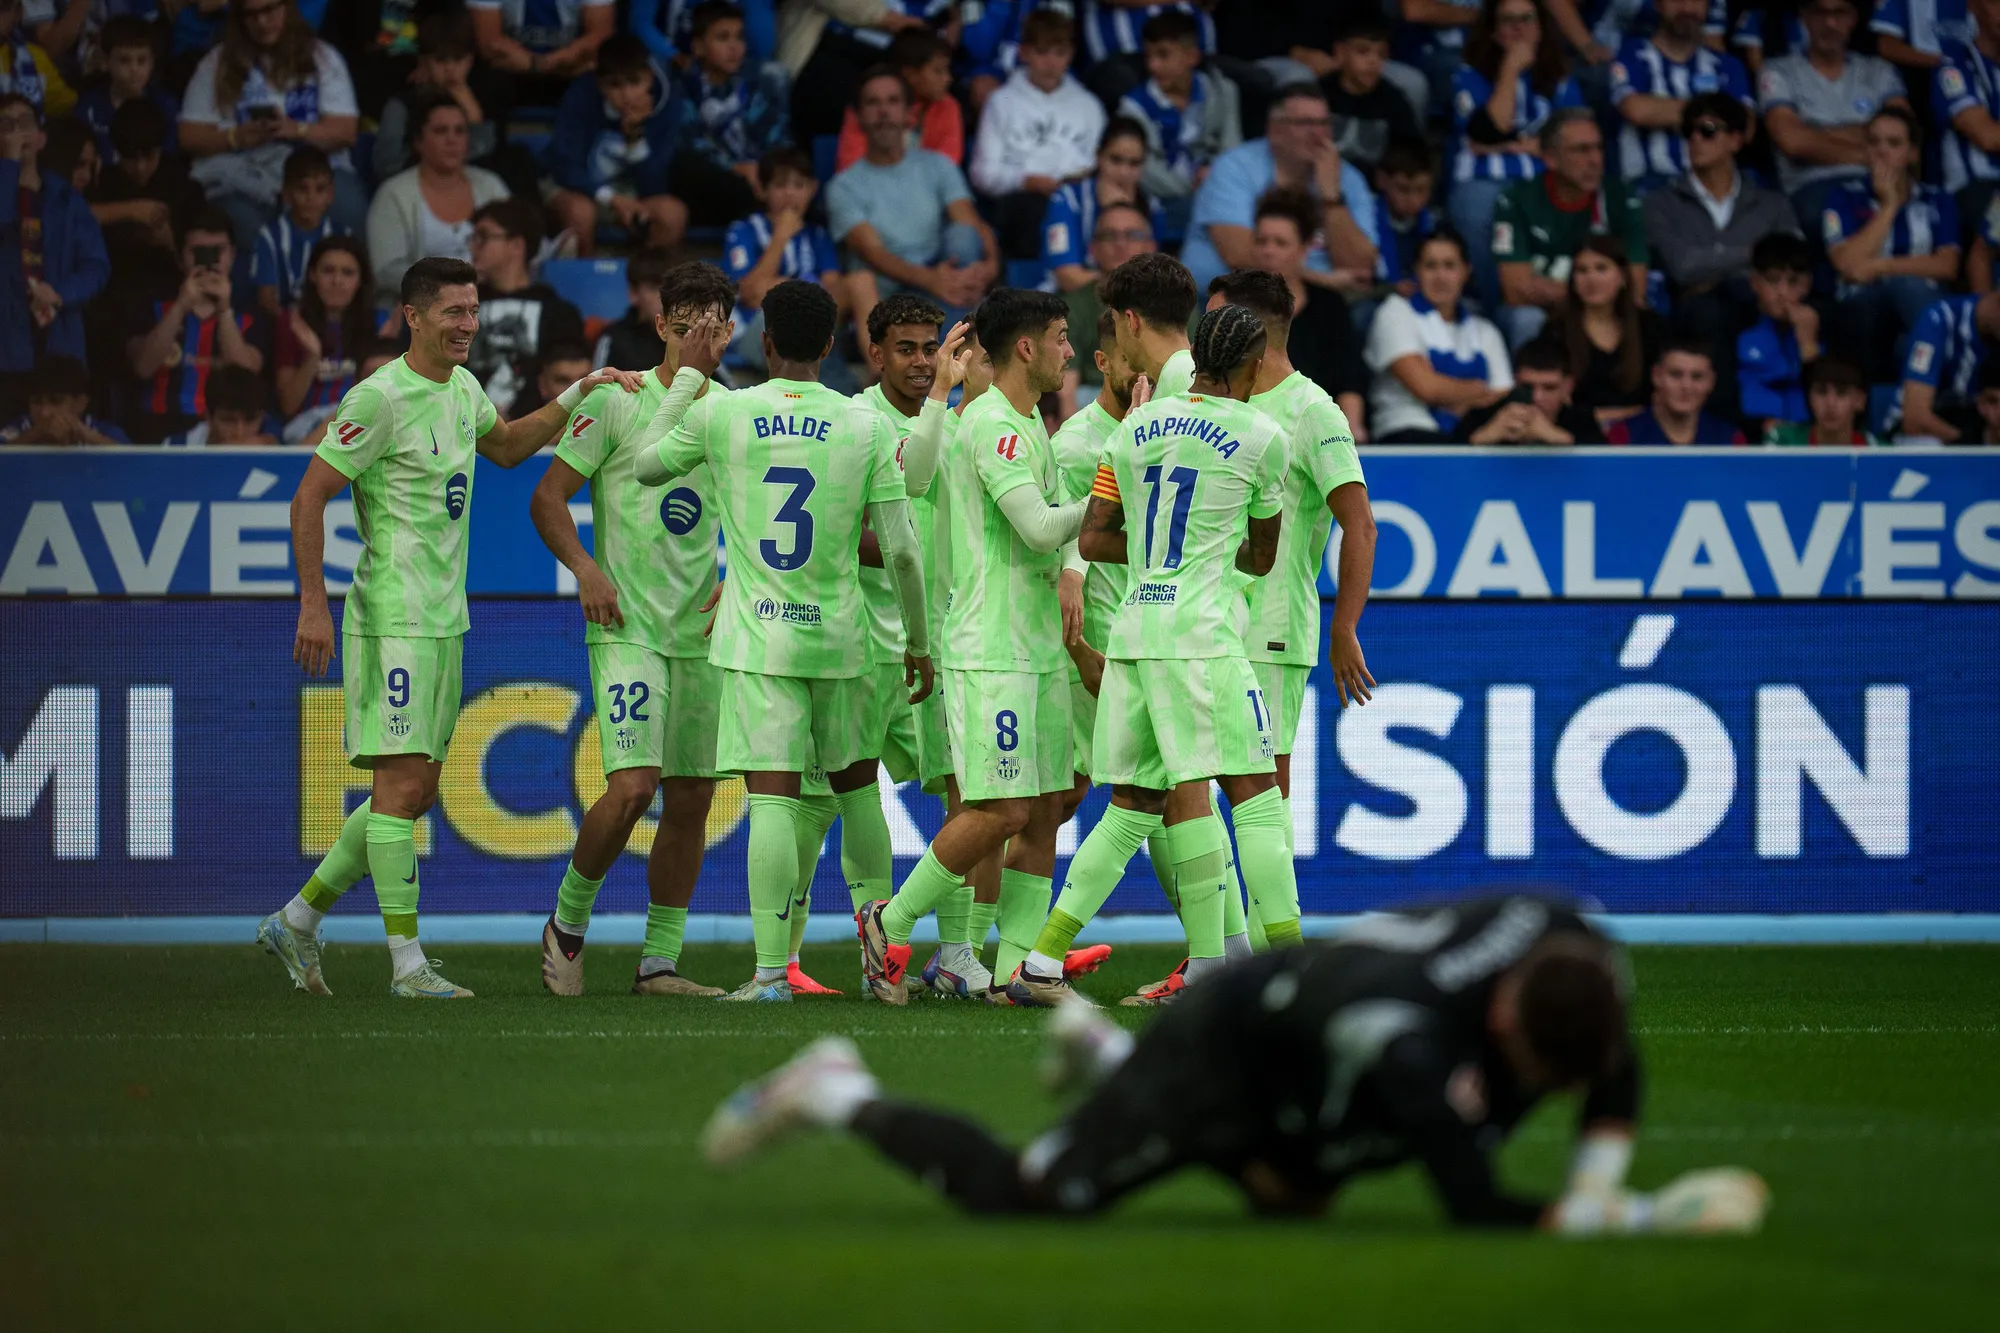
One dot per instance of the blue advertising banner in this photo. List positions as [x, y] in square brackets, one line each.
[1459, 523]
[164, 757]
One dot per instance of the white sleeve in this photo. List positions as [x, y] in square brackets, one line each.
[198, 102]
[336, 86]
[1043, 526]
[1393, 336]
[920, 451]
[1499, 367]
[991, 172]
[902, 557]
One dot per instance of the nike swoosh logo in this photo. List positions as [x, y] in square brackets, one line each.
[802, 901]
[434, 443]
[786, 914]
[411, 878]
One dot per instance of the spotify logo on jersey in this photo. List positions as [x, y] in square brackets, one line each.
[455, 492]
[680, 510]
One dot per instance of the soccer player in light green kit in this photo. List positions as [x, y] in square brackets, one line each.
[1323, 487]
[643, 599]
[903, 347]
[404, 438]
[1007, 688]
[1152, 300]
[794, 467]
[1198, 484]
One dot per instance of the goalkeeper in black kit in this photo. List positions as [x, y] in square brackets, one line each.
[1425, 1035]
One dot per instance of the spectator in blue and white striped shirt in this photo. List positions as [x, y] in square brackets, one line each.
[1514, 75]
[285, 244]
[1892, 239]
[1948, 348]
[1914, 33]
[1650, 83]
[1966, 94]
[762, 250]
[1114, 44]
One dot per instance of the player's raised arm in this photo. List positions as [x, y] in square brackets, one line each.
[920, 451]
[509, 442]
[313, 646]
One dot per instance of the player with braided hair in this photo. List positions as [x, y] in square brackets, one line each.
[1323, 486]
[1188, 494]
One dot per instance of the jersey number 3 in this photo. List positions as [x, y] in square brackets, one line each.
[792, 511]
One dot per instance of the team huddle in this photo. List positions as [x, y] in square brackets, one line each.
[942, 592]
[947, 593]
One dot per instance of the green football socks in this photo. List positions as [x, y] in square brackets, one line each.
[1093, 873]
[574, 899]
[666, 927]
[864, 846]
[774, 876]
[954, 914]
[344, 863]
[1024, 906]
[979, 922]
[1200, 851]
[1263, 840]
[392, 861]
[928, 885]
[816, 816]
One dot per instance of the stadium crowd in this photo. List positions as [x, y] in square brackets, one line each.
[1502, 221]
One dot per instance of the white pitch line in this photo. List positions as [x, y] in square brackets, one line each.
[1821, 1030]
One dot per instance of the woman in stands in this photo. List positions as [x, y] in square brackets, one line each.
[1610, 340]
[270, 86]
[1433, 360]
[1072, 213]
[426, 210]
[322, 340]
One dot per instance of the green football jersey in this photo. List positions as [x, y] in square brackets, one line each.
[1176, 375]
[1004, 615]
[1191, 473]
[930, 514]
[657, 543]
[407, 444]
[1284, 604]
[1079, 444]
[794, 466]
[878, 586]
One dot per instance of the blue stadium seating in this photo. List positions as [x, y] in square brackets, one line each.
[594, 286]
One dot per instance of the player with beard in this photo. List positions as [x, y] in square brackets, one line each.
[1006, 690]
[404, 438]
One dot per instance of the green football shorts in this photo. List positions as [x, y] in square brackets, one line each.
[1009, 733]
[1165, 721]
[789, 724]
[402, 695]
[891, 717]
[933, 739]
[1284, 689]
[654, 711]
[1082, 724]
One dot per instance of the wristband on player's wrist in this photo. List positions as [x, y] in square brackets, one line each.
[570, 397]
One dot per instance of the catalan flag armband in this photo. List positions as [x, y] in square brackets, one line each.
[1105, 487]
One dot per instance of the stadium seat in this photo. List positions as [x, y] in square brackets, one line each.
[594, 286]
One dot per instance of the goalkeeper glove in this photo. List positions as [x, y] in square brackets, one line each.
[1720, 1199]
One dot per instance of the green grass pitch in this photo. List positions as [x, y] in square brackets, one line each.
[185, 1143]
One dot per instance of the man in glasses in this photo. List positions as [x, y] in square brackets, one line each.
[1121, 231]
[1702, 226]
[1297, 153]
[517, 316]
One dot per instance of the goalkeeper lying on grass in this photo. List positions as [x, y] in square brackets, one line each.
[1426, 1035]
